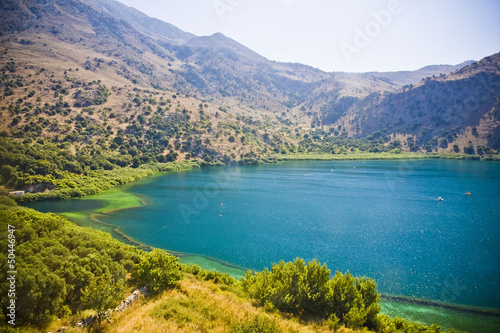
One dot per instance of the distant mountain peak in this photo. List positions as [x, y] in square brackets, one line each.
[219, 41]
[219, 35]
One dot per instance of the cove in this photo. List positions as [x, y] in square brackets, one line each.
[381, 219]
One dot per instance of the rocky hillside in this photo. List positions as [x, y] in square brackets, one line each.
[459, 112]
[99, 76]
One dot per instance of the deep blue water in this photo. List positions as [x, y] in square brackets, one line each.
[381, 219]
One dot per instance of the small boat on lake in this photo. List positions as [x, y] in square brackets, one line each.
[440, 199]
[467, 193]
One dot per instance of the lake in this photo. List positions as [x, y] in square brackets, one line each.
[381, 219]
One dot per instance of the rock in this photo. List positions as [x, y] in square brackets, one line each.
[121, 307]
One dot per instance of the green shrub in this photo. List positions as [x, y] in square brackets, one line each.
[355, 299]
[7, 201]
[101, 294]
[209, 275]
[300, 288]
[157, 271]
[293, 287]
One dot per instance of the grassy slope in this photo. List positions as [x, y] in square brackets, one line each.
[199, 306]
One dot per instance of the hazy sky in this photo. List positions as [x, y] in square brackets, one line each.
[344, 35]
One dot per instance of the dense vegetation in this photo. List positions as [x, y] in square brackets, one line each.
[81, 136]
[49, 172]
[73, 142]
[56, 260]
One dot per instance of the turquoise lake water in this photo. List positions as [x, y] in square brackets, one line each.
[381, 219]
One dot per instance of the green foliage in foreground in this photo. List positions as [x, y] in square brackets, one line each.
[300, 288]
[55, 261]
[306, 290]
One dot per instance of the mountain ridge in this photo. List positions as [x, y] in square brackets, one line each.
[143, 23]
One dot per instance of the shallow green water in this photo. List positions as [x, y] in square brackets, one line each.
[381, 219]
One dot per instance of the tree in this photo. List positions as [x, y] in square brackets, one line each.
[102, 294]
[443, 143]
[469, 150]
[40, 294]
[300, 288]
[7, 172]
[157, 271]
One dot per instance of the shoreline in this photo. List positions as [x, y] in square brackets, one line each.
[225, 266]
[183, 257]
[385, 156]
[127, 201]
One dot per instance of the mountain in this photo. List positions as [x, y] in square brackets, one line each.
[208, 65]
[219, 42]
[105, 78]
[143, 23]
[412, 77]
[449, 112]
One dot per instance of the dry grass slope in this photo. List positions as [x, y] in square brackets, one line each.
[199, 306]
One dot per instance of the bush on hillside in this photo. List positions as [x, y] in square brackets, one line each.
[157, 271]
[300, 288]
